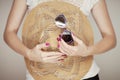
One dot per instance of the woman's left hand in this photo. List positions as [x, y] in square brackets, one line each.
[79, 50]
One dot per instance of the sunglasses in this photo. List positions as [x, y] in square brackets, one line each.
[61, 22]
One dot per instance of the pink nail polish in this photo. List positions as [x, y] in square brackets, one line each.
[47, 44]
[64, 55]
[58, 39]
[61, 60]
[60, 36]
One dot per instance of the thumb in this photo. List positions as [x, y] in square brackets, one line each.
[43, 45]
[77, 39]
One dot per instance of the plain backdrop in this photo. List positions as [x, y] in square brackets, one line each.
[12, 66]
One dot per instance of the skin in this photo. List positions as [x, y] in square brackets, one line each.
[15, 18]
[102, 19]
[100, 15]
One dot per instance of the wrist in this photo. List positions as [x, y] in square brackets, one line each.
[27, 53]
[90, 51]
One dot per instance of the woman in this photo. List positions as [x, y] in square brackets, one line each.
[100, 15]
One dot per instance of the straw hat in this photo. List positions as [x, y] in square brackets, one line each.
[39, 26]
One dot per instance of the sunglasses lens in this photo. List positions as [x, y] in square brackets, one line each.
[60, 21]
[67, 37]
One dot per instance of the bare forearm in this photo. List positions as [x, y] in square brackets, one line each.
[103, 21]
[16, 15]
[15, 43]
[103, 45]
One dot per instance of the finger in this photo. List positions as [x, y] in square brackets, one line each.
[54, 59]
[48, 54]
[61, 59]
[77, 39]
[65, 48]
[51, 59]
[66, 51]
[39, 46]
[65, 45]
[61, 47]
[63, 51]
[36, 59]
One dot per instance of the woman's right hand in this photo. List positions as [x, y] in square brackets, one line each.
[37, 55]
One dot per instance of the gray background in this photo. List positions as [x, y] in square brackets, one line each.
[12, 66]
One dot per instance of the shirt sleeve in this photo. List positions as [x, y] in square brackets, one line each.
[28, 2]
[87, 6]
[31, 3]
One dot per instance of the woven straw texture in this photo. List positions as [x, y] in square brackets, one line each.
[39, 26]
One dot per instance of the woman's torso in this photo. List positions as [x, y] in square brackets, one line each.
[84, 5]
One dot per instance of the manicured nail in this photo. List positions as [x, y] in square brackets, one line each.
[58, 39]
[47, 44]
[60, 36]
[64, 55]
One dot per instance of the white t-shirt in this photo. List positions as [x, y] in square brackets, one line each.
[86, 7]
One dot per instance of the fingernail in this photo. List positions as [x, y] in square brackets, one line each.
[58, 39]
[60, 36]
[64, 55]
[47, 44]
